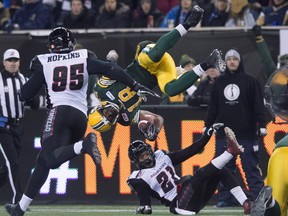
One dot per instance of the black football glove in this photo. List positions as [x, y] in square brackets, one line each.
[213, 128]
[143, 91]
[144, 210]
[257, 31]
[149, 131]
[194, 18]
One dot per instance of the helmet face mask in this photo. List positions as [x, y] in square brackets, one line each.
[141, 154]
[104, 116]
[61, 40]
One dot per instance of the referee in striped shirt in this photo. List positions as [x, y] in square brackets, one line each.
[11, 114]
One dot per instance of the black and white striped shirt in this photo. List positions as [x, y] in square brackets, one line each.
[10, 84]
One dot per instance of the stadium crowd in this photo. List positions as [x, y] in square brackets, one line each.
[79, 14]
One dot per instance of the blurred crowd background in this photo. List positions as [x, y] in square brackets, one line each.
[84, 14]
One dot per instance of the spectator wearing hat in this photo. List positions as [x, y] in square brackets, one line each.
[237, 101]
[11, 115]
[240, 14]
[186, 64]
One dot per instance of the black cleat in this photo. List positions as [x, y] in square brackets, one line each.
[195, 17]
[90, 147]
[14, 209]
[215, 60]
[259, 205]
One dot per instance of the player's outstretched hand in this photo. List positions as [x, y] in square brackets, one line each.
[257, 31]
[195, 17]
[143, 91]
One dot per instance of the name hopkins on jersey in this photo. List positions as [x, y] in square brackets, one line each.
[63, 57]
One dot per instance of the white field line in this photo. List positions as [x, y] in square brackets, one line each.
[123, 210]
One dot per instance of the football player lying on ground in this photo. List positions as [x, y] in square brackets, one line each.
[156, 177]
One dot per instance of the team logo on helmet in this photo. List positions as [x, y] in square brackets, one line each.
[104, 116]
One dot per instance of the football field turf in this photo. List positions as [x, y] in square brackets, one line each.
[111, 210]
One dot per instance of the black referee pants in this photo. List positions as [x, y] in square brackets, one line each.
[10, 147]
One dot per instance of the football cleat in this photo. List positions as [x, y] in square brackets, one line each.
[215, 60]
[90, 147]
[247, 206]
[259, 205]
[233, 146]
[14, 209]
[195, 17]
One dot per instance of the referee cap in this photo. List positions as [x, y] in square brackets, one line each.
[11, 53]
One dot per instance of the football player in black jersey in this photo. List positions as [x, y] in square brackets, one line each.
[155, 176]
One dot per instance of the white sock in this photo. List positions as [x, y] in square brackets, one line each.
[239, 194]
[25, 202]
[220, 161]
[180, 28]
[198, 70]
[78, 147]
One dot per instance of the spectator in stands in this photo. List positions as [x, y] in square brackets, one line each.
[79, 16]
[4, 16]
[178, 14]
[146, 15]
[216, 14]
[56, 6]
[33, 15]
[274, 15]
[186, 64]
[166, 5]
[12, 5]
[201, 96]
[257, 6]
[113, 14]
[64, 9]
[240, 14]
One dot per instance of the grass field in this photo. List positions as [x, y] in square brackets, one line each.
[119, 210]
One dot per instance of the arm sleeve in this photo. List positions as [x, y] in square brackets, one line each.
[142, 189]
[178, 157]
[33, 85]
[266, 57]
[109, 69]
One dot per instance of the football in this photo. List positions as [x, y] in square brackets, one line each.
[145, 119]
